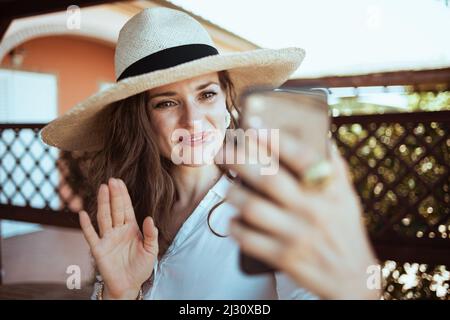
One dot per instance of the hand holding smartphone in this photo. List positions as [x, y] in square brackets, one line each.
[299, 112]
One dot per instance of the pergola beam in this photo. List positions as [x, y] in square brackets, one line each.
[419, 78]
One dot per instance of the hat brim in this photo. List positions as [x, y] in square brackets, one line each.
[81, 127]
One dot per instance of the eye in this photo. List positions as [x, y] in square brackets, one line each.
[208, 95]
[164, 104]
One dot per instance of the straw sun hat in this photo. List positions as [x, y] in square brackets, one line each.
[160, 46]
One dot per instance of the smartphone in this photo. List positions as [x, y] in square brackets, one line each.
[302, 113]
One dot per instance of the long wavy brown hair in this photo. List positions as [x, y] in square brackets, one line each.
[131, 153]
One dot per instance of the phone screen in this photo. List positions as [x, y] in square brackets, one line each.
[299, 112]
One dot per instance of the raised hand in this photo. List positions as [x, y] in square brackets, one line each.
[124, 256]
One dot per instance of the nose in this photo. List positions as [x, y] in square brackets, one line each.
[192, 114]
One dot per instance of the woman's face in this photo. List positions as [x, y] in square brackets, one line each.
[189, 119]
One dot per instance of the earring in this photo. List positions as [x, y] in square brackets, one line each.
[227, 119]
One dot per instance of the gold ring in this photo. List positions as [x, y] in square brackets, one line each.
[318, 175]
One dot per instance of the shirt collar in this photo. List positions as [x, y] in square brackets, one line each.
[221, 186]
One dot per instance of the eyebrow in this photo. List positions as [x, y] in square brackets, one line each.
[172, 93]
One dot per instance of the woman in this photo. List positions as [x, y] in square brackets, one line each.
[160, 210]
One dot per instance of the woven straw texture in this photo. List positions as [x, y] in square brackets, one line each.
[148, 32]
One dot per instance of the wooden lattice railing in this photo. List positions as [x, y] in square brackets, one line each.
[400, 167]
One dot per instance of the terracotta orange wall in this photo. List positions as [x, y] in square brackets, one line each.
[79, 63]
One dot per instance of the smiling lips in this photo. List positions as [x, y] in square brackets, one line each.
[197, 138]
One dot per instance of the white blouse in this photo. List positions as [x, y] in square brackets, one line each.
[200, 265]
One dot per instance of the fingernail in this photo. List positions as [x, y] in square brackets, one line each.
[102, 187]
[113, 182]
